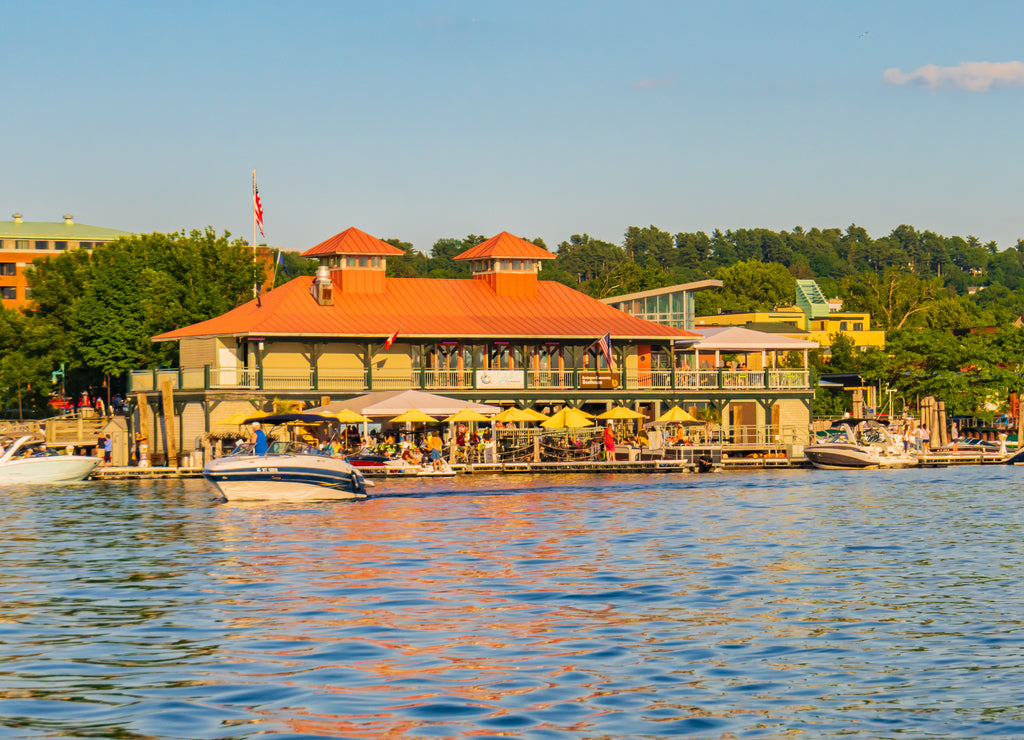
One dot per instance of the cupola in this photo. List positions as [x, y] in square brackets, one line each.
[507, 263]
[355, 261]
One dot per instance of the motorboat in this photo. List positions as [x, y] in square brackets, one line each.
[288, 471]
[28, 461]
[852, 444]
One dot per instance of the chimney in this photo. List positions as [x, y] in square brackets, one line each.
[322, 288]
[69, 219]
[17, 218]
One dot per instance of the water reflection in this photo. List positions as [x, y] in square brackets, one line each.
[813, 604]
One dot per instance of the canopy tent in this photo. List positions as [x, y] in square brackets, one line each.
[387, 404]
[414, 416]
[516, 414]
[739, 339]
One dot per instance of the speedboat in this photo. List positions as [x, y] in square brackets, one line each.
[289, 471]
[852, 444]
[26, 461]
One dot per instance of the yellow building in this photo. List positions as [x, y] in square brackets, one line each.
[811, 319]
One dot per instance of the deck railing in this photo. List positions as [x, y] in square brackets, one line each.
[357, 381]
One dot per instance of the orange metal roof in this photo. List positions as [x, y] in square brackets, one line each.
[352, 241]
[430, 309]
[506, 245]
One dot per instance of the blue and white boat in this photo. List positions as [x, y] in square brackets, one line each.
[288, 471]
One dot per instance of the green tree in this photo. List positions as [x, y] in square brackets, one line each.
[893, 298]
[28, 347]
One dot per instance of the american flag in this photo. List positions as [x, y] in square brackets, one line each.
[605, 345]
[257, 207]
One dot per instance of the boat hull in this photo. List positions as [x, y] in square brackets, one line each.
[854, 457]
[285, 478]
[52, 469]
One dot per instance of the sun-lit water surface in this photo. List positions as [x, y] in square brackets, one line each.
[782, 604]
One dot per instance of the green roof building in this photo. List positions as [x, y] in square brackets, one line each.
[22, 242]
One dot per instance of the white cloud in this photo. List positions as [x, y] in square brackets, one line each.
[973, 76]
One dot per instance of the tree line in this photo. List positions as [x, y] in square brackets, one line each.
[948, 304]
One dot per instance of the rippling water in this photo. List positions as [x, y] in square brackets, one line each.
[783, 604]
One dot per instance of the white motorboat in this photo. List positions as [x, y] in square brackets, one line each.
[26, 461]
[853, 444]
[289, 471]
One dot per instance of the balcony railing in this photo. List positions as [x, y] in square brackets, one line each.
[358, 381]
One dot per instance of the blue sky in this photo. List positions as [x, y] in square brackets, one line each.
[425, 120]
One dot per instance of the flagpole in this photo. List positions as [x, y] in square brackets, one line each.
[254, 230]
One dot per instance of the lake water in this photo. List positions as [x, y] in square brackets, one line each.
[810, 604]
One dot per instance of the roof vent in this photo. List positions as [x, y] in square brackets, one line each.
[17, 218]
[322, 288]
[69, 219]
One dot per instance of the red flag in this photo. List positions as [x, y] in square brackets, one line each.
[390, 340]
[257, 207]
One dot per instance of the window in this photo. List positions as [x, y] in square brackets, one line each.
[85, 245]
[517, 265]
[8, 268]
[56, 245]
[21, 243]
[375, 262]
[42, 244]
[8, 294]
[858, 327]
[364, 261]
[505, 265]
[350, 261]
[842, 326]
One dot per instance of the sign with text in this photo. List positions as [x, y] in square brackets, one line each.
[505, 379]
[598, 381]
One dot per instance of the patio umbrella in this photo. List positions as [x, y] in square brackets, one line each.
[515, 413]
[345, 416]
[467, 415]
[568, 418]
[414, 415]
[620, 412]
[676, 415]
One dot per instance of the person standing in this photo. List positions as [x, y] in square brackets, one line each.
[926, 440]
[609, 442]
[954, 436]
[918, 440]
[108, 450]
[259, 439]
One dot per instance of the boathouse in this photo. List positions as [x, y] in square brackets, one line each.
[501, 337]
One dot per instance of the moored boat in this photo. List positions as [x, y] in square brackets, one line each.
[26, 461]
[853, 444]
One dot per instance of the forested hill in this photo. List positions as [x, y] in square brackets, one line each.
[905, 278]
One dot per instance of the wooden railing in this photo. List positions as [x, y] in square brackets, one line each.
[357, 381]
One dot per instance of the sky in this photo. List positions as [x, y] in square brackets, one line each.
[430, 120]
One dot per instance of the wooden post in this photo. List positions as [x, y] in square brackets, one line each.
[143, 417]
[168, 407]
[943, 432]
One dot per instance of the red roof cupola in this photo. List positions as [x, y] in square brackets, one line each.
[507, 263]
[356, 260]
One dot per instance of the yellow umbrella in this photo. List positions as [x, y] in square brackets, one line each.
[346, 416]
[517, 414]
[676, 415]
[414, 415]
[620, 412]
[467, 414]
[568, 418]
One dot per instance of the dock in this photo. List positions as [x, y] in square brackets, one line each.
[940, 459]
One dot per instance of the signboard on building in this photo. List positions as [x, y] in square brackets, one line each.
[598, 381]
[503, 379]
